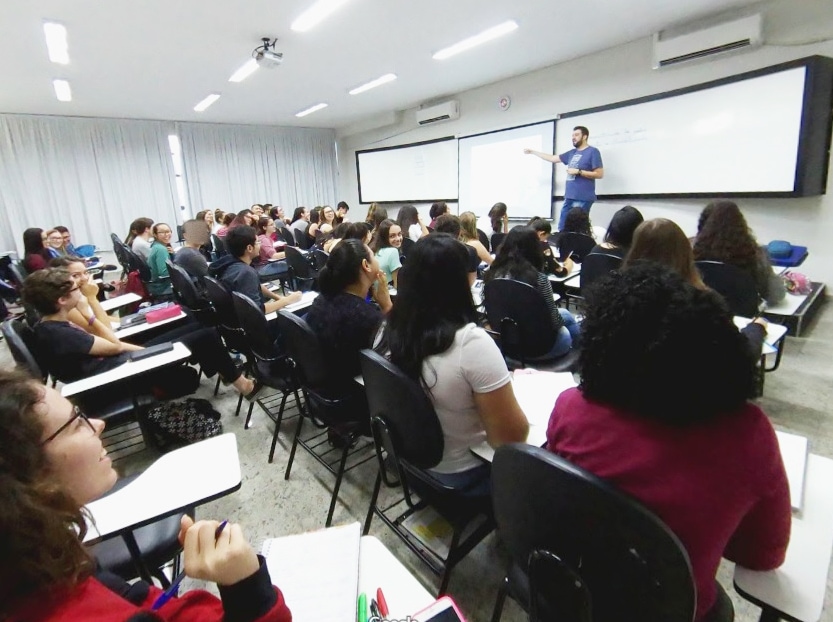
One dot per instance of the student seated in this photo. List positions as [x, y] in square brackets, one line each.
[347, 231]
[235, 271]
[433, 339]
[54, 464]
[543, 229]
[341, 316]
[386, 244]
[55, 243]
[270, 262]
[35, 254]
[725, 236]
[188, 257]
[450, 225]
[138, 238]
[76, 352]
[520, 258]
[468, 235]
[619, 233]
[661, 413]
[410, 222]
[160, 252]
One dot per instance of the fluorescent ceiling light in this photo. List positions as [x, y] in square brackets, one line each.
[206, 102]
[62, 90]
[388, 77]
[315, 14]
[56, 42]
[247, 69]
[483, 37]
[310, 110]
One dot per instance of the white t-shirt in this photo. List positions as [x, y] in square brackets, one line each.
[415, 231]
[473, 364]
[141, 247]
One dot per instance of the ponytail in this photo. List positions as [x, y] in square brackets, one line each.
[343, 267]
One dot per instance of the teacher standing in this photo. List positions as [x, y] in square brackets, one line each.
[584, 167]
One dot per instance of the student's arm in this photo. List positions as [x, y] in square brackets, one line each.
[276, 304]
[380, 292]
[502, 417]
[549, 157]
[102, 347]
[482, 253]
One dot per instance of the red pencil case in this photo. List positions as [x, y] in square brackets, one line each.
[158, 315]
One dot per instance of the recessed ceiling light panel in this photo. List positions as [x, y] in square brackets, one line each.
[315, 14]
[206, 102]
[245, 70]
[479, 39]
[56, 42]
[310, 110]
[62, 90]
[388, 77]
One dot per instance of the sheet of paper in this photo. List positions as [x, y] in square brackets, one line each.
[318, 572]
[794, 454]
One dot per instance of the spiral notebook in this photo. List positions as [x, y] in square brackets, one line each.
[317, 572]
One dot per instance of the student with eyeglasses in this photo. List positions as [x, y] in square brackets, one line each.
[53, 463]
[160, 252]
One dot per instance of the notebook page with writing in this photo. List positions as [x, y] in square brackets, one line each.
[318, 572]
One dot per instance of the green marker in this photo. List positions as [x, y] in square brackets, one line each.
[361, 614]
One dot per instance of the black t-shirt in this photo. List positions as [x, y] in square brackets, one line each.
[66, 350]
[345, 325]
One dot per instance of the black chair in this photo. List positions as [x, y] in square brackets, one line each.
[187, 295]
[218, 247]
[180, 233]
[409, 441]
[521, 315]
[404, 251]
[228, 325]
[596, 266]
[735, 285]
[484, 239]
[341, 415]
[268, 366]
[598, 554]
[319, 259]
[287, 235]
[302, 240]
[576, 244]
[302, 274]
[18, 274]
[496, 241]
[158, 545]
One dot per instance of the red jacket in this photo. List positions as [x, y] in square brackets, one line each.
[720, 485]
[107, 598]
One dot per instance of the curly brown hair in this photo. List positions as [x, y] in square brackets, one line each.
[726, 237]
[42, 527]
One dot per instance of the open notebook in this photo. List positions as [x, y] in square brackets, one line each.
[318, 572]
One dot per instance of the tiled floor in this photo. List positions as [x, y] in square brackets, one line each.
[797, 397]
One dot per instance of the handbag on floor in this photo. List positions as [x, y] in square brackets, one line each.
[185, 422]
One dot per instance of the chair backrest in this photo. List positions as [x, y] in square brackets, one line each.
[220, 298]
[497, 240]
[735, 285]
[287, 235]
[319, 258]
[180, 231]
[218, 246]
[131, 261]
[18, 273]
[405, 408]
[522, 316]
[255, 327]
[304, 348]
[22, 345]
[484, 239]
[576, 243]
[302, 240]
[407, 245]
[596, 266]
[300, 268]
[634, 567]
[185, 289]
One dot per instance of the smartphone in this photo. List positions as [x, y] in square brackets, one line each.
[443, 610]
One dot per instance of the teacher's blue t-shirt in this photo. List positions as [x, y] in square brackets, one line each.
[588, 159]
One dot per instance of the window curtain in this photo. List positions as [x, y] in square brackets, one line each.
[93, 176]
[233, 166]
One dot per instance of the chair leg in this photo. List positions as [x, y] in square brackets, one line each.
[248, 423]
[339, 477]
[501, 599]
[239, 404]
[294, 444]
[449, 561]
[217, 386]
[373, 498]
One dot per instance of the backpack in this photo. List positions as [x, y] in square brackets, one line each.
[185, 422]
[779, 249]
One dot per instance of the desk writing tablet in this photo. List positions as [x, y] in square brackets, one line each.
[119, 301]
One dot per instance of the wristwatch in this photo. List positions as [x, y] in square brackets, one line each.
[578, 172]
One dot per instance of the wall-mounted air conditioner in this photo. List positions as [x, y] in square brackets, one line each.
[439, 112]
[721, 38]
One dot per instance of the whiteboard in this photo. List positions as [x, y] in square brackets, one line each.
[419, 172]
[740, 137]
[493, 168]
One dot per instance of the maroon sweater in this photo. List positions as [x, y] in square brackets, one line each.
[719, 486]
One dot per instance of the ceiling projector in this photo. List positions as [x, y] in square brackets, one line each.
[265, 55]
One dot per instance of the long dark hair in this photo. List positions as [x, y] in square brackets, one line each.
[622, 225]
[298, 213]
[381, 238]
[578, 221]
[33, 243]
[661, 240]
[343, 267]
[41, 526]
[496, 215]
[407, 216]
[433, 301]
[137, 227]
[519, 257]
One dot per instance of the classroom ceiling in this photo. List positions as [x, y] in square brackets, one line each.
[156, 59]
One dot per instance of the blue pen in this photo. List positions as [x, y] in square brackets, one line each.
[171, 591]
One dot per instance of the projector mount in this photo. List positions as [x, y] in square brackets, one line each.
[265, 54]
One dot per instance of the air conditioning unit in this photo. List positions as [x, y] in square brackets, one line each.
[440, 112]
[726, 37]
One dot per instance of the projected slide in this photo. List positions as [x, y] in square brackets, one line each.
[493, 168]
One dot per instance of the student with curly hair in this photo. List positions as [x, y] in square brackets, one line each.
[577, 221]
[53, 463]
[662, 414]
[725, 236]
[520, 258]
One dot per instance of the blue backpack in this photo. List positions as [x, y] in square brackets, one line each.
[779, 249]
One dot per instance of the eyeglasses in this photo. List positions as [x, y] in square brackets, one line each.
[77, 414]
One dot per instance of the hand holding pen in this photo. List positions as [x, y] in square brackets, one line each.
[223, 556]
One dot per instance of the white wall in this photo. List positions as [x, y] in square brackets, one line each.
[623, 73]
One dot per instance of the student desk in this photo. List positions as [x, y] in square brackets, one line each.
[379, 568]
[794, 310]
[306, 301]
[119, 301]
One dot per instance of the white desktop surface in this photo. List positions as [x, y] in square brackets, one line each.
[798, 587]
[121, 333]
[560, 279]
[788, 306]
[573, 282]
[536, 393]
[378, 568]
[119, 301]
[128, 369]
[190, 475]
[306, 301]
[774, 333]
[794, 454]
